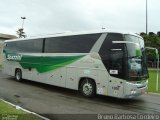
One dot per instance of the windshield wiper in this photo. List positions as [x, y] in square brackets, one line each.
[135, 57]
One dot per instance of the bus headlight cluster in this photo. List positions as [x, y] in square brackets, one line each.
[133, 91]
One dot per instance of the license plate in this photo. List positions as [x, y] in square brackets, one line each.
[143, 91]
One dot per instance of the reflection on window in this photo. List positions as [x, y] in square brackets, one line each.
[27, 46]
[71, 44]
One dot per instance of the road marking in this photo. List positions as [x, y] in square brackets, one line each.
[18, 107]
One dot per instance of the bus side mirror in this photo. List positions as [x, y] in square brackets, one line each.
[156, 51]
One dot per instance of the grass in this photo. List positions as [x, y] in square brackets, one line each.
[152, 81]
[8, 112]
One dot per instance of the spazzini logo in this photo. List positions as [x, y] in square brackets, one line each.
[14, 57]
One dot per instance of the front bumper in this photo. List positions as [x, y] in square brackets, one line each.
[132, 90]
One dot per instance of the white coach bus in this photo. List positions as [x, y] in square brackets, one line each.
[105, 63]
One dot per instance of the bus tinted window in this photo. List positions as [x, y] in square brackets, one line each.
[71, 44]
[27, 46]
[108, 45]
[112, 55]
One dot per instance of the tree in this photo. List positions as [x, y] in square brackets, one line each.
[152, 40]
[21, 33]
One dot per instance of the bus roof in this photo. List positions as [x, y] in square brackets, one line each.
[70, 34]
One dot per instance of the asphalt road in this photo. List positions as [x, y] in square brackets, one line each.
[59, 103]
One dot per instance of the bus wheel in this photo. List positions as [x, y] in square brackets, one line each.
[88, 88]
[18, 75]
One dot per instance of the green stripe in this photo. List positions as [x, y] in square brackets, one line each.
[47, 63]
[42, 63]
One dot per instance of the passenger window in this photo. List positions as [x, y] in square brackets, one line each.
[71, 44]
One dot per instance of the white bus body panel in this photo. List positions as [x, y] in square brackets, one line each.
[69, 76]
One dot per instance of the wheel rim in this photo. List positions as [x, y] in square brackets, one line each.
[18, 75]
[87, 89]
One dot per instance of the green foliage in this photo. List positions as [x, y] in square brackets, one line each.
[152, 81]
[151, 41]
[21, 33]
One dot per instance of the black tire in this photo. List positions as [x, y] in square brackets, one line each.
[18, 75]
[88, 88]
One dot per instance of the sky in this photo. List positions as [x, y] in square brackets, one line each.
[56, 16]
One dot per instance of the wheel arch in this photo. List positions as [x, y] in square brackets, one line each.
[84, 78]
[16, 70]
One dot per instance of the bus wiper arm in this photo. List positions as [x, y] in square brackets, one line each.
[133, 57]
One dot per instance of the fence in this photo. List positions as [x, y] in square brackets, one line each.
[152, 64]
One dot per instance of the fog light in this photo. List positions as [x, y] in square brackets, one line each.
[133, 91]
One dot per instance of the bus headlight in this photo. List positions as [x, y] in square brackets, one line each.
[133, 91]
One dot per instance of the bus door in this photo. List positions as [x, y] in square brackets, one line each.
[116, 71]
[112, 53]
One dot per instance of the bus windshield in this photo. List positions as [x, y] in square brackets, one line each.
[137, 63]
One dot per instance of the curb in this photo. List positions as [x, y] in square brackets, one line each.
[18, 107]
[153, 93]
